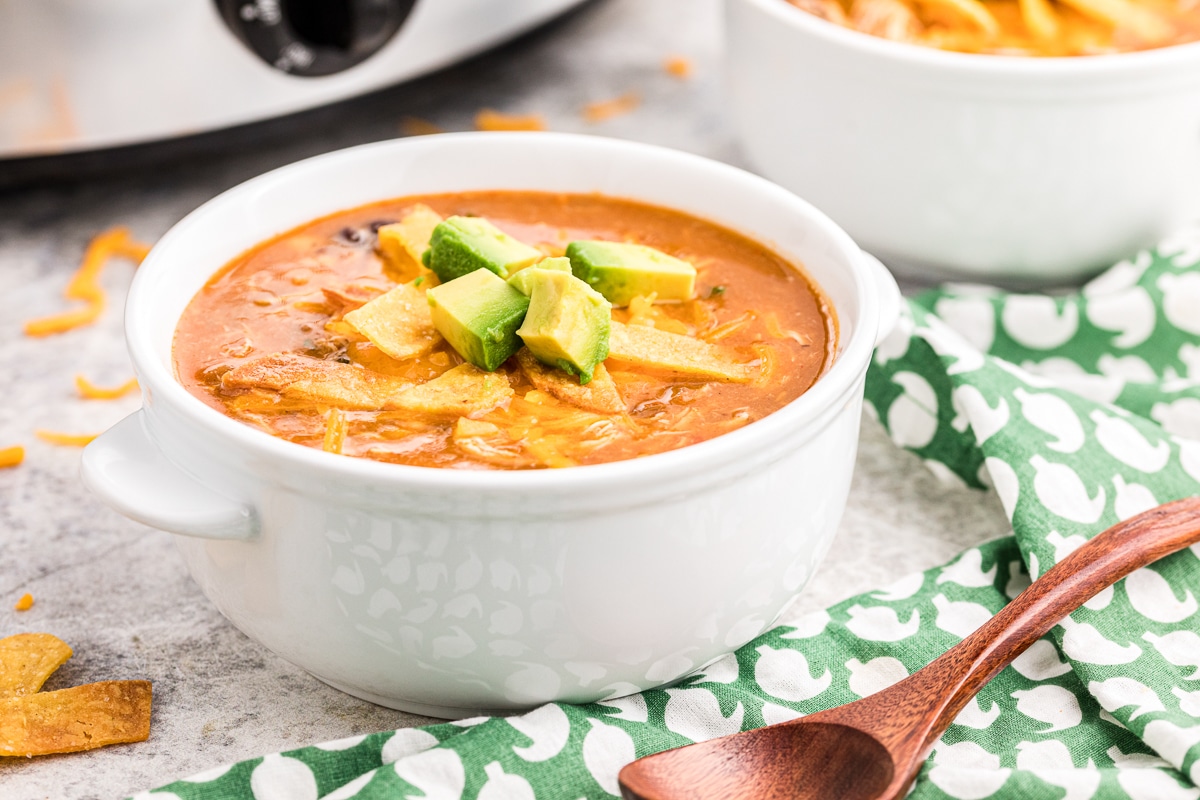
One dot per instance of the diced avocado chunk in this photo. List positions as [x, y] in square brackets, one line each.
[568, 323]
[479, 314]
[523, 280]
[460, 245]
[621, 271]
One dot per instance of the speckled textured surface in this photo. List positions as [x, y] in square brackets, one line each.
[118, 592]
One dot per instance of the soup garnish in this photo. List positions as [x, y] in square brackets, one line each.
[1019, 27]
[504, 330]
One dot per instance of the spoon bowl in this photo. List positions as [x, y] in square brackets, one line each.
[872, 749]
[788, 761]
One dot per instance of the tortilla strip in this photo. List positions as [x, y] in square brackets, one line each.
[403, 243]
[650, 347]
[79, 718]
[27, 660]
[398, 322]
[326, 383]
[464, 390]
[599, 395]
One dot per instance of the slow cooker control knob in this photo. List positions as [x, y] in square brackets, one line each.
[314, 37]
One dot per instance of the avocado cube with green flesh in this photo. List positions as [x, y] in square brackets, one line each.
[460, 245]
[622, 271]
[523, 280]
[568, 323]
[478, 314]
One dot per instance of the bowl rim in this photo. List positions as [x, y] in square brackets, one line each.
[160, 383]
[980, 64]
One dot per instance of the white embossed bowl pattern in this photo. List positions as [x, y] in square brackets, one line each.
[447, 592]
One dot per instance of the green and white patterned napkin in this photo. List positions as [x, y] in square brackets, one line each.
[1078, 412]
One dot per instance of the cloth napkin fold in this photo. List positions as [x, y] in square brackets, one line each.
[1078, 411]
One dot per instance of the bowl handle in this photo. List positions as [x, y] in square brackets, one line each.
[890, 299]
[127, 470]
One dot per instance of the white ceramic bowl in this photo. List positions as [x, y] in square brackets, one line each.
[446, 592]
[1032, 170]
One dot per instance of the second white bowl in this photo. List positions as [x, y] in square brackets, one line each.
[1029, 170]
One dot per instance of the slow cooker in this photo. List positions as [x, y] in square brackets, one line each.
[79, 75]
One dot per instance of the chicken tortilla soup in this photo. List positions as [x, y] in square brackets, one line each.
[504, 330]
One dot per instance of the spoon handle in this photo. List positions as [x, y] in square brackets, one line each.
[959, 674]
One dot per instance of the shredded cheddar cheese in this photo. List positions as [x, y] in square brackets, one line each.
[491, 120]
[91, 391]
[11, 456]
[607, 109]
[25, 603]
[415, 126]
[66, 439]
[733, 326]
[768, 361]
[85, 283]
[678, 66]
[335, 432]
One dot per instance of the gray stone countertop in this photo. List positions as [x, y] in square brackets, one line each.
[118, 592]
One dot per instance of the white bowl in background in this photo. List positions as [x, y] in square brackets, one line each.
[445, 592]
[1027, 170]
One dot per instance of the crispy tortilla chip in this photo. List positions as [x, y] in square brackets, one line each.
[398, 322]
[599, 395]
[320, 382]
[403, 243]
[27, 660]
[464, 390]
[650, 347]
[79, 718]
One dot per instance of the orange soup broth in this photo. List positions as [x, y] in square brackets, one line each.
[289, 294]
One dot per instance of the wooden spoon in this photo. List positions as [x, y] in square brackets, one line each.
[872, 749]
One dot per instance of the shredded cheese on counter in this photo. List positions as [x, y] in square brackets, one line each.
[91, 391]
[491, 120]
[85, 283]
[11, 456]
[66, 439]
[607, 109]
